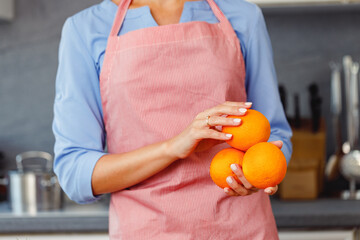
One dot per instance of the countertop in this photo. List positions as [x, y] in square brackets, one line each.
[321, 213]
[73, 218]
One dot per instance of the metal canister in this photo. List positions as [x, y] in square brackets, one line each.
[34, 189]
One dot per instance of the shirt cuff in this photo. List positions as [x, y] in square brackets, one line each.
[85, 175]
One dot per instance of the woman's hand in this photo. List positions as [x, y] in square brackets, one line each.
[245, 188]
[202, 129]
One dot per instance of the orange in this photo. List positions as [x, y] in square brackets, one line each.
[254, 128]
[264, 165]
[220, 165]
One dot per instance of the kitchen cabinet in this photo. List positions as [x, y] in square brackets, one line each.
[318, 235]
[73, 236]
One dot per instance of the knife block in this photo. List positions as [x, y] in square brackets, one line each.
[305, 173]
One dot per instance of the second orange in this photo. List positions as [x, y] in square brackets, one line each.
[220, 165]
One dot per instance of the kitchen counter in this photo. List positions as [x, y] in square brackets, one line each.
[322, 213]
[73, 218]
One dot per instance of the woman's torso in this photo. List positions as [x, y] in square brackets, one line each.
[154, 82]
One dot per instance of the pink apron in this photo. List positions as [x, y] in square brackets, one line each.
[153, 83]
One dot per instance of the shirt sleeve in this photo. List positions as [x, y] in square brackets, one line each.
[262, 86]
[77, 125]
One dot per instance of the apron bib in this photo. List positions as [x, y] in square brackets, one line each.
[153, 83]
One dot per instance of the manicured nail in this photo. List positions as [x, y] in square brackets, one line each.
[233, 167]
[248, 103]
[226, 190]
[228, 135]
[242, 110]
[229, 180]
[268, 191]
[237, 120]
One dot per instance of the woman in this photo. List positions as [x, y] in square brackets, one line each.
[154, 79]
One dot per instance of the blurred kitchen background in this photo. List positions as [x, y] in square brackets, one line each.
[306, 36]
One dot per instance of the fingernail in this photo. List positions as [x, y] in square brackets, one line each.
[242, 110]
[237, 120]
[226, 190]
[228, 135]
[248, 103]
[233, 167]
[229, 180]
[268, 191]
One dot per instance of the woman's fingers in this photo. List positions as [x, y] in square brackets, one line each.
[227, 108]
[238, 104]
[231, 192]
[237, 187]
[204, 127]
[213, 121]
[243, 188]
[210, 134]
[271, 190]
[215, 116]
[222, 121]
[278, 143]
[239, 174]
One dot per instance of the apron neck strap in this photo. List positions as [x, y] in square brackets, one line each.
[119, 17]
[124, 5]
[217, 12]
